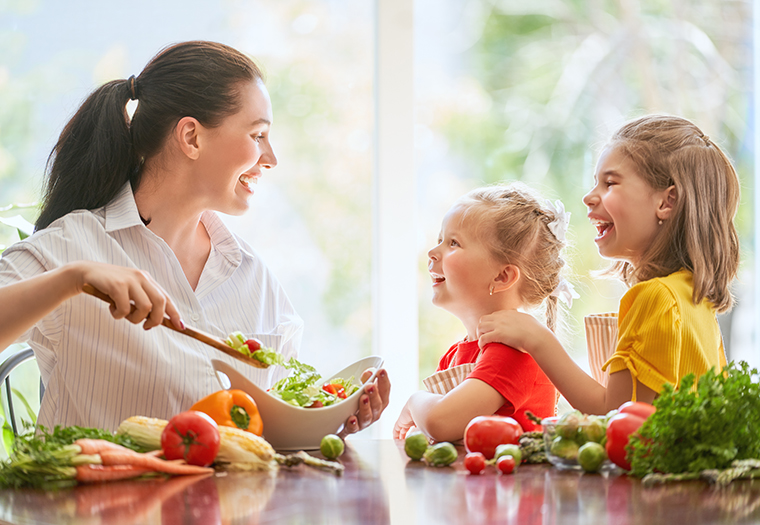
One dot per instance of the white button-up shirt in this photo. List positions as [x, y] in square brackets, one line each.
[99, 371]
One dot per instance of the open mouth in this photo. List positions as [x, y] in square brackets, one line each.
[248, 180]
[437, 279]
[602, 227]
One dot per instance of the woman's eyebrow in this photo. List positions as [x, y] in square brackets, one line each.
[260, 121]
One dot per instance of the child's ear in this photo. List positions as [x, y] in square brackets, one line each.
[187, 135]
[507, 278]
[668, 201]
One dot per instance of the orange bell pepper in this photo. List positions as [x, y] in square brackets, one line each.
[232, 408]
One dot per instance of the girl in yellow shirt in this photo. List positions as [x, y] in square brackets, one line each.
[663, 204]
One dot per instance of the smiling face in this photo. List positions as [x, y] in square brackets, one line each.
[461, 267]
[624, 209]
[234, 153]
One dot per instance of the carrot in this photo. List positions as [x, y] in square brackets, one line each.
[95, 446]
[128, 457]
[97, 473]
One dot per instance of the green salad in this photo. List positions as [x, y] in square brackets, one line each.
[302, 387]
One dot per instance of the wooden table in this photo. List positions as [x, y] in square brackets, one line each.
[381, 485]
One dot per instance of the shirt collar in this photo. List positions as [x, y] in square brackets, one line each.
[121, 212]
[221, 238]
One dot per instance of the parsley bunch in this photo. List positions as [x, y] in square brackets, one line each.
[701, 428]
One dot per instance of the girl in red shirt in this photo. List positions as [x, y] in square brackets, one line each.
[499, 249]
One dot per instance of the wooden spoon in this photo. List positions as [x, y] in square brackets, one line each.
[188, 331]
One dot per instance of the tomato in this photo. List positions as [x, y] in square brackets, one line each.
[643, 410]
[630, 417]
[192, 436]
[335, 389]
[619, 429]
[475, 462]
[485, 433]
[506, 464]
[253, 344]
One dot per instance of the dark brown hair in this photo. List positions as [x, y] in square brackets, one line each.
[700, 235]
[100, 149]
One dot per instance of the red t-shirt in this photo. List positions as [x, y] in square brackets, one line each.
[513, 374]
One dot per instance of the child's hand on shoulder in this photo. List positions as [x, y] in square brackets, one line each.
[519, 330]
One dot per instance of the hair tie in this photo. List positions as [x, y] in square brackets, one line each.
[132, 81]
[559, 225]
[565, 292]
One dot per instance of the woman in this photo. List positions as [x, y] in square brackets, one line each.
[129, 208]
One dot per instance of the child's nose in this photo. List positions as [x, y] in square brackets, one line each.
[590, 198]
[431, 254]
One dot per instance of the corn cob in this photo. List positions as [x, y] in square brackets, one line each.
[146, 431]
[240, 450]
[243, 450]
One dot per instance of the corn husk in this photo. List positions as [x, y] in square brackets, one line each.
[241, 450]
[146, 431]
[238, 449]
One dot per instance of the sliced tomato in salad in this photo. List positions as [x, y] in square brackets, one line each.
[335, 389]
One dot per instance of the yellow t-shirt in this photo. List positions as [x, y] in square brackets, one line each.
[663, 335]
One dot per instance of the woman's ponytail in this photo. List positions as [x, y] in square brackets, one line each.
[93, 157]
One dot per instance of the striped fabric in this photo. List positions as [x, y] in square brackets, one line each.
[98, 371]
[443, 381]
[601, 340]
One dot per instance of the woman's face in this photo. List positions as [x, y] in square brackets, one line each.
[622, 207]
[234, 153]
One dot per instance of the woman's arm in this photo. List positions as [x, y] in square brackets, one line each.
[525, 333]
[25, 302]
[444, 418]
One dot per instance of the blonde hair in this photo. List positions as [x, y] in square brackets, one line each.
[515, 227]
[700, 235]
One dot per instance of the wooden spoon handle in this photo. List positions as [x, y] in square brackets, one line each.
[188, 331]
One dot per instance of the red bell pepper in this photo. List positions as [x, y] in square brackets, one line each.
[335, 389]
[630, 417]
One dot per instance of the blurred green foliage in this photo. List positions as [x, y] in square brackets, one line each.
[554, 79]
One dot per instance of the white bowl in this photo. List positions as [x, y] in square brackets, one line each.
[289, 427]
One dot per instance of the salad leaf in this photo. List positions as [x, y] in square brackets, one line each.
[269, 357]
[701, 427]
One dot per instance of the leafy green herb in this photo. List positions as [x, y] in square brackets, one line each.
[45, 459]
[707, 427]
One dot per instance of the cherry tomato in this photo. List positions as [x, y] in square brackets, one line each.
[192, 436]
[475, 462]
[485, 433]
[316, 404]
[335, 389]
[506, 464]
[643, 410]
[253, 344]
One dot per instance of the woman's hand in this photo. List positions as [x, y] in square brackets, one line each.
[511, 328]
[371, 403]
[128, 287]
[404, 423]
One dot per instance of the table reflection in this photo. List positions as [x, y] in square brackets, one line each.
[381, 485]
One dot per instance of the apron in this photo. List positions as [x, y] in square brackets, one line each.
[601, 340]
[443, 381]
